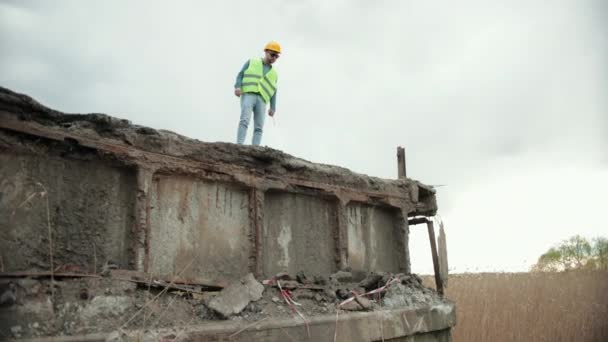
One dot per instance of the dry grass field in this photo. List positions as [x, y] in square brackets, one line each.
[495, 307]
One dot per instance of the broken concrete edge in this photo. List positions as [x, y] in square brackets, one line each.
[159, 150]
[369, 326]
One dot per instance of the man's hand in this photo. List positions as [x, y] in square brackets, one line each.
[237, 92]
[271, 112]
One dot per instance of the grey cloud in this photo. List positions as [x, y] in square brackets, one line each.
[457, 85]
[475, 91]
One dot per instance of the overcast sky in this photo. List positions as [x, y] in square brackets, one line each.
[503, 102]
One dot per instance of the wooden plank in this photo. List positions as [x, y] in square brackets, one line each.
[438, 281]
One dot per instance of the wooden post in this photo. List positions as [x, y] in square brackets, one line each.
[438, 281]
[401, 162]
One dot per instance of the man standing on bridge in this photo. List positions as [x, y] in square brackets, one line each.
[256, 85]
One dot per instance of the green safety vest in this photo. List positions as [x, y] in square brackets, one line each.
[254, 80]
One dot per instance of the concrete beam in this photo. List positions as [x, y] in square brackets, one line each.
[165, 163]
[426, 324]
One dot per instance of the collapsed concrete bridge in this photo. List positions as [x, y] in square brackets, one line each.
[155, 202]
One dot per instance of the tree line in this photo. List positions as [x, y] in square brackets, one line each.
[575, 253]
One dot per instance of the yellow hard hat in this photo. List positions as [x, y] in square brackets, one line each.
[273, 46]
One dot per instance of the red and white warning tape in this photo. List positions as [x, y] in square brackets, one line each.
[391, 281]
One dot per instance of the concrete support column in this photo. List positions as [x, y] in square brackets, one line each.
[142, 218]
[256, 219]
[342, 235]
[406, 264]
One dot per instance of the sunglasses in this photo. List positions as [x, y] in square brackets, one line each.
[274, 55]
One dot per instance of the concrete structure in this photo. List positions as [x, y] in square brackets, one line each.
[161, 203]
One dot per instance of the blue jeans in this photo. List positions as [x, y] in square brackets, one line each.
[251, 103]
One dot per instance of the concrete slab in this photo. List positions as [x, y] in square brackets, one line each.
[428, 324]
[299, 234]
[349, 327]
[376, 240]
[90, 205]
[201, 224]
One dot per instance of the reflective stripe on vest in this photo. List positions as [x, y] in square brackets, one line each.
[254, 80]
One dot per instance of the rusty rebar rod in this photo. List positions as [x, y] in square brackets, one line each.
[401, 172]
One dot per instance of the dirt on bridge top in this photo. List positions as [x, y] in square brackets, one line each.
[19, 108]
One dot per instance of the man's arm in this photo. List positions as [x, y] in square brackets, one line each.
[273, 102]
[239, 79]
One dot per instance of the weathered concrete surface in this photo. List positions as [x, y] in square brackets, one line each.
[376, 239]
[90, 208]
[279, 212]
[157, 202]
[198, 228]
[105, 306]
[299, 234]
[234, 298]
[31, 313]
[421, 325]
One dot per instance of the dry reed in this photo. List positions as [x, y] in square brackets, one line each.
[570, 306]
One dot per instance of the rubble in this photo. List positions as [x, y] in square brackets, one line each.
[113, 299]
[341, 277]
[283, 276]
[365, 303]
[352, 306]
[233, 299]
[106, 306]
[9, 296]
[303, 279]
[401, 295]
[372, 281]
